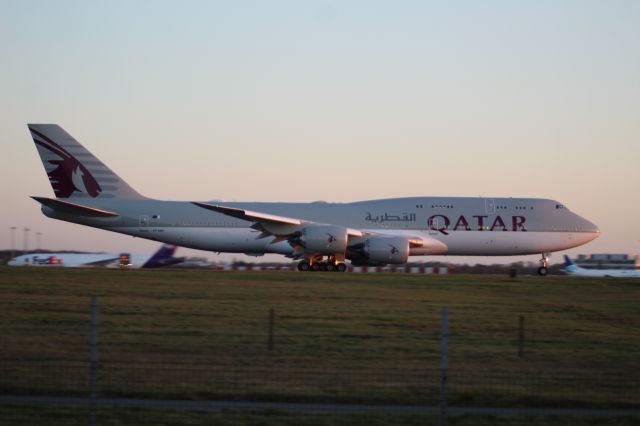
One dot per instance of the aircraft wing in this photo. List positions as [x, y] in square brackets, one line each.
[249, 215]
[271, 225]
[102, 262]
[308, 237]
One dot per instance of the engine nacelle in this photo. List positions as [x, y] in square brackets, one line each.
[380, 250]
[322, 239]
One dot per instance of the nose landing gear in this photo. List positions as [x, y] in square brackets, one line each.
[544, 262]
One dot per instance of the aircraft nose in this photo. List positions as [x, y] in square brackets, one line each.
[590, 228]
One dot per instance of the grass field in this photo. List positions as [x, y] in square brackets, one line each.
[337, 337]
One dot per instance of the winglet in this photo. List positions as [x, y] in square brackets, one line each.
[568, 261]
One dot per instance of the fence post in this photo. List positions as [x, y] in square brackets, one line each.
[444, 365]
[272, 315]
[521, 336]
[93, 365]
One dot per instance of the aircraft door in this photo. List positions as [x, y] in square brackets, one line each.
[490, 205]
[434, 224]
[144, 220]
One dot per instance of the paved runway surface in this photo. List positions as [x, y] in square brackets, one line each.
[305, 407]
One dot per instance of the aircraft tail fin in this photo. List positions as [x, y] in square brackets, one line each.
[163, 257]
[570, 266]
[72, 170]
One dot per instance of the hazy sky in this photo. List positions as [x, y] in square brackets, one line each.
[333, 100]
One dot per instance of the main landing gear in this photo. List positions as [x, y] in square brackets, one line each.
[331, 265]
[544, 262]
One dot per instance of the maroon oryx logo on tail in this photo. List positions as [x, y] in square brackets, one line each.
[69, 175]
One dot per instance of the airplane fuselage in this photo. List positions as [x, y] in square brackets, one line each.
[446, 225]
[613, 273]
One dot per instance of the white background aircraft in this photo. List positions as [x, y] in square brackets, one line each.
[572, 269]
[161, 258]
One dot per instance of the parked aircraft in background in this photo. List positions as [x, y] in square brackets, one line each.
[161, 258]
[196, 263]
[572, 269]
[322, 235]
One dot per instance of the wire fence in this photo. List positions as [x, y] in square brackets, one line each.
[192, 357]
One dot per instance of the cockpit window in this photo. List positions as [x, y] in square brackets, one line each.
[560, 206]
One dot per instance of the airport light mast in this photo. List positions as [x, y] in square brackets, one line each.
[26, 239]
[13, 241]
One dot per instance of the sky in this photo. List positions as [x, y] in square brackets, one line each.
[327, 100]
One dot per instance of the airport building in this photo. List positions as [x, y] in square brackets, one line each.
[608, 261]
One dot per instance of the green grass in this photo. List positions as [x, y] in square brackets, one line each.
[338, 337]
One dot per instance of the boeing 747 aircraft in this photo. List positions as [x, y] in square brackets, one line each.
[321, 235]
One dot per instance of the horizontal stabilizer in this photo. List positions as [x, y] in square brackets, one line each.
[73, 208]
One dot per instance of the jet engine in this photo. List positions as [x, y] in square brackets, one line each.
[380, 250]
[321, 239]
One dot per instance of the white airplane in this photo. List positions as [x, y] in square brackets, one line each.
[572, 269]
[322, 235]
[161, 258]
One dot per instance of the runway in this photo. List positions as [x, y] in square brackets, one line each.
[308, 408]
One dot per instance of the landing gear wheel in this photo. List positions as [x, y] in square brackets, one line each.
[544, 262]
[304, 266]
[316, 266]
[341, 267]
[330, 267]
